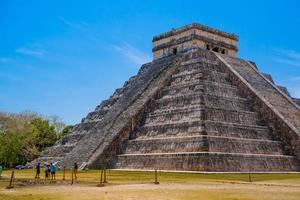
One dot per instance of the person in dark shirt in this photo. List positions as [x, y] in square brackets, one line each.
[75, 170]
[38, 171]
[47, 170]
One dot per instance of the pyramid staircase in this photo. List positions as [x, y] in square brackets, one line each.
[201, 121]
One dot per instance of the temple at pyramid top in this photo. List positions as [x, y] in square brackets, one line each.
[194, 35]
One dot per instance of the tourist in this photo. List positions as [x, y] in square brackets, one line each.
[46, 170]
[38, 171]
[52, 171]
[1, 169]
[75, 170]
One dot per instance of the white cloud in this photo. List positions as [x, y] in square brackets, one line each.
[30, 52]
[288, 57]
[289, 53]
[132, 54]
[289, 61]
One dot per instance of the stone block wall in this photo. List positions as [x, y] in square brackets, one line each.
[202, 120]
[281, 113]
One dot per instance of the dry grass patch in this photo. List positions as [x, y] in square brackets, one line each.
[138, 185]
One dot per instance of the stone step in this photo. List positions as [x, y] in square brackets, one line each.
[189, 108]
[186, 72]
[215, 76]
[203, 143]
[177, 110]
[198, 112]
[228, 103]
[202, 83]
[58, 150]
[71, 138]
[187, 78]
[233, 116]
[234, 103]
[200, 63]
[219, 128]
[196, 127]
[96, 115]
[197, 75]
[178, 114]
[208, 161]
[196, 69]
[198, 87]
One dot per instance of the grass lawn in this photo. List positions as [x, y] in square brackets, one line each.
[139, 185]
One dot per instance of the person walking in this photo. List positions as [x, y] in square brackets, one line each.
[75, 170]
[38, 171]
[52, 171]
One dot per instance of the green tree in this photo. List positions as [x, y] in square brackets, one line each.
[24, 135]
[10, 149]
[43, 133]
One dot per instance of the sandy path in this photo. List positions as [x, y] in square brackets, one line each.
[151, 191]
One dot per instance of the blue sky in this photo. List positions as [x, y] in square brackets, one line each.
[64, 57]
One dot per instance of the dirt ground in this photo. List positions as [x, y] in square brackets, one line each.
[208, 191]
[175, 186]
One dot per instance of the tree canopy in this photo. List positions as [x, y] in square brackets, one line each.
[23, 136]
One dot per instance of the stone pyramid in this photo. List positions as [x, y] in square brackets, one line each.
[195, 107]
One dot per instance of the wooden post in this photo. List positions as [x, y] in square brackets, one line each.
[64, 173]
[11, 180]
[104, 181]
[155, 176]
[249, 177]
[101, 180]
[72, 181]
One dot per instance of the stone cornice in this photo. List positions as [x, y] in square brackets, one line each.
[195, 26]
[191, 37]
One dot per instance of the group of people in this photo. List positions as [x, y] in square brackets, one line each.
[50, 170]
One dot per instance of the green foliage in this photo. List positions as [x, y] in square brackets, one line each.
[43, 134]
[10, 148]
[24, 136]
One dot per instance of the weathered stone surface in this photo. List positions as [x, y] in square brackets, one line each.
[194, 35]
[268, 76]
[204, 123]
[284, 90]
[278, 109]
[196, 110]
[297, 101]
[209, 161]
